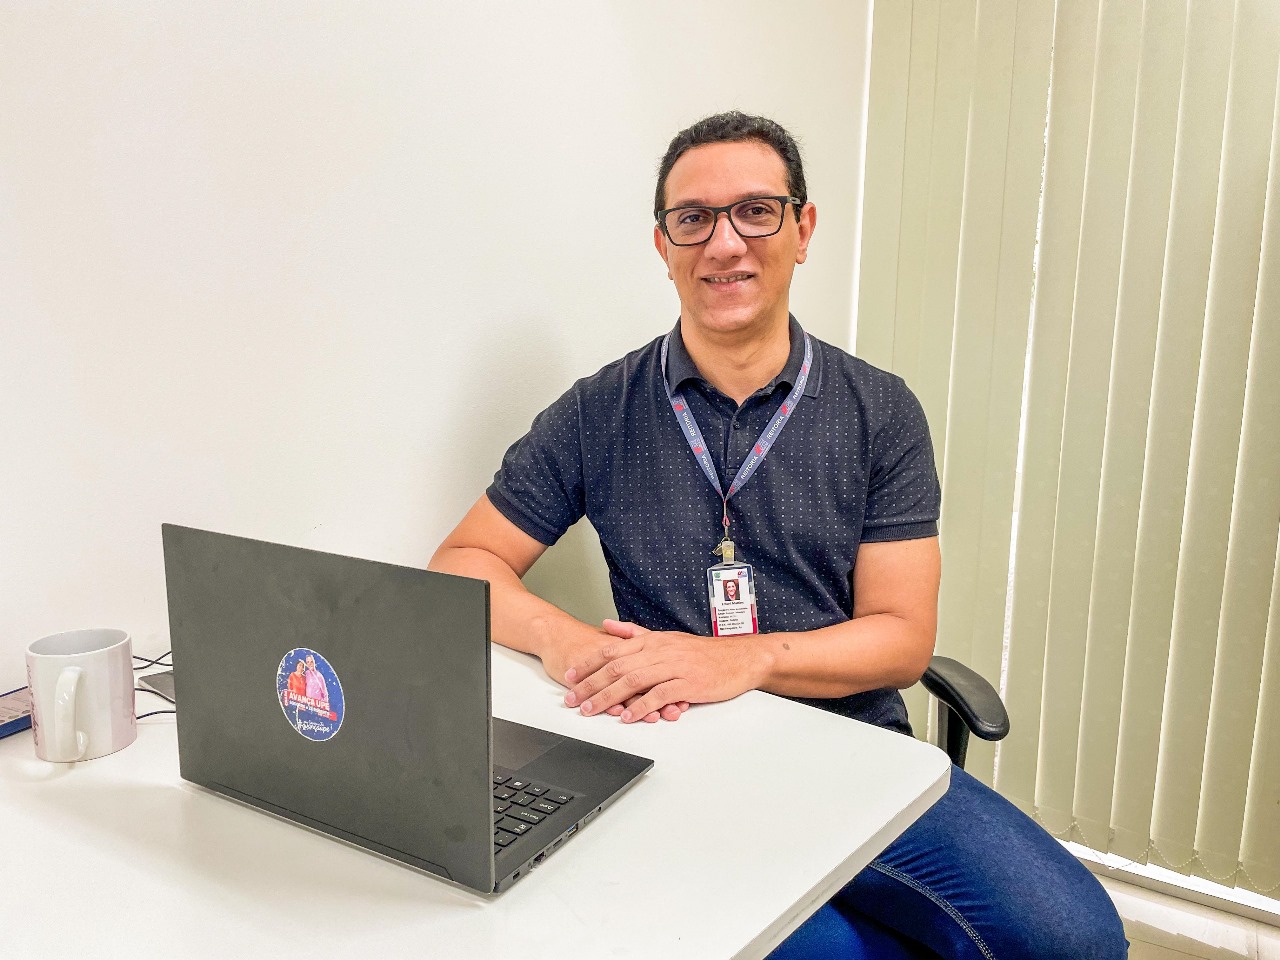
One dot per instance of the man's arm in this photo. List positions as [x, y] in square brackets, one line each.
[888, 643]
[890, 639]
[488, 546]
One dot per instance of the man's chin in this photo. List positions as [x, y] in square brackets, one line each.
[724, 321]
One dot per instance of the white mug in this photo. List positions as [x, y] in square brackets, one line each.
[81, 694]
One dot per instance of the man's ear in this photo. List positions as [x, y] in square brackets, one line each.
[808, 221]
[660, 244]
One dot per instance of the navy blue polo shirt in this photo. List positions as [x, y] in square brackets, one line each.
[853, 464]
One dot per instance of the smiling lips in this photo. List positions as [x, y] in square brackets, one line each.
[728, 278]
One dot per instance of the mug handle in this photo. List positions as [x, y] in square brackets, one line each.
[71, 742]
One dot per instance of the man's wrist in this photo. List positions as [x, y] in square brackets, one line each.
[552, 634]
[760, 656]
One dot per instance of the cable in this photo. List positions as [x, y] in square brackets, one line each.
[143, 716]
[15, 690]
[148, 662]
[155, 693]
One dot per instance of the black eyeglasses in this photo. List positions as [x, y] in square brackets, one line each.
[754, 218]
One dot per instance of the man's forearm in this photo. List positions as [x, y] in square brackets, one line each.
[520, 620]
[867, 653]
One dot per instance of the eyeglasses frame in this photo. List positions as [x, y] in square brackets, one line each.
[715, 218]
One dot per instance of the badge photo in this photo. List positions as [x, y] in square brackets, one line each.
[732, 594]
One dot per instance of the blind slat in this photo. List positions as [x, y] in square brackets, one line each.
[1074, 40]
[970, 461]
[1085, 410]
[1255, 513]
[914, 218]
[1215, 438]
[1183, 297]
[945, 189]
[882, 196]
[1138, 305]
[1260, 854]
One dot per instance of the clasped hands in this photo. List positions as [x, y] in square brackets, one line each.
[647, 675]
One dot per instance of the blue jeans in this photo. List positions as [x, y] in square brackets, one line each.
[973, 879]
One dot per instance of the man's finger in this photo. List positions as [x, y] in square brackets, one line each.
[634, 677]
[669, 691]
[625, 673]
[598, 658]
[617, 708]
[622, 628]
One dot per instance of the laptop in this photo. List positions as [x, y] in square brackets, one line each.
[353, 697]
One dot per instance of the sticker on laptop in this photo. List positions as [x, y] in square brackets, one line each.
[310, 694]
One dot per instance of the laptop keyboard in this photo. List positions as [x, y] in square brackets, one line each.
[522, 805]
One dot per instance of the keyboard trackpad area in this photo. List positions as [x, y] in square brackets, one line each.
[515, 745]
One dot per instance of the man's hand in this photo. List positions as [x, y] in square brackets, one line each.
[559, 655]
[643, 671]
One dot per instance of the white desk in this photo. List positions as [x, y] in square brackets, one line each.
[755, 813]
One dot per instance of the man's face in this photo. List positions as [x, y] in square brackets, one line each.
[729, 284]
[731, 589]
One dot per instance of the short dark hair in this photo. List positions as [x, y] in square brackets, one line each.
[734, 127]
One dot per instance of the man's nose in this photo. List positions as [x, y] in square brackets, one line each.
[724, 241]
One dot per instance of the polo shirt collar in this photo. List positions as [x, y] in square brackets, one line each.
[681, 368]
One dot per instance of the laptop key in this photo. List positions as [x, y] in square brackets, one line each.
[560, 797]
[500, 807]
[514, 826]
[503, 793]
[523, 800]
[528, 816]
[518, 784]
[536, 789]
[545, 806]
[502, 839]
[500, 780]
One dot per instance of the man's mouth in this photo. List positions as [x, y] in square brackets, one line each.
[728, 278]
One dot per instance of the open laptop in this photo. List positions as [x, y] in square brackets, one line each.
[353, 697]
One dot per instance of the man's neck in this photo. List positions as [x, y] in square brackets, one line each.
[739, 363]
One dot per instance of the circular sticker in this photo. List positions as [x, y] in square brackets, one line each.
[310, 694]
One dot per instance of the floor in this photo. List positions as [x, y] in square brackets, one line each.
[1161, 927]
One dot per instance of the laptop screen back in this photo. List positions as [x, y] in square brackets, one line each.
[349, 695]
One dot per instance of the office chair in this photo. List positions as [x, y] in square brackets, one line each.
[967, 703]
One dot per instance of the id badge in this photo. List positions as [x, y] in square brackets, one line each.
[732, 590]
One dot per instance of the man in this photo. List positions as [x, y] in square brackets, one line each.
[817, 470]
[317, 689]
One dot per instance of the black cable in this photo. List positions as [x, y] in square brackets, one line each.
[148, 662]
[143, 716]
[155, 693]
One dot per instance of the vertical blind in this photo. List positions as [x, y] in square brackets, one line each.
[1071, 253]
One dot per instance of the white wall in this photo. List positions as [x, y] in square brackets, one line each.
[293, 271]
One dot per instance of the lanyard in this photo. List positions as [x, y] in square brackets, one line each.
[684, 416]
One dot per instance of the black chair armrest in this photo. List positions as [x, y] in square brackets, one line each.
[972, 698]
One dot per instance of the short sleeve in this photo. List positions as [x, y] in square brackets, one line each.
[539, 486]
[904, 496]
